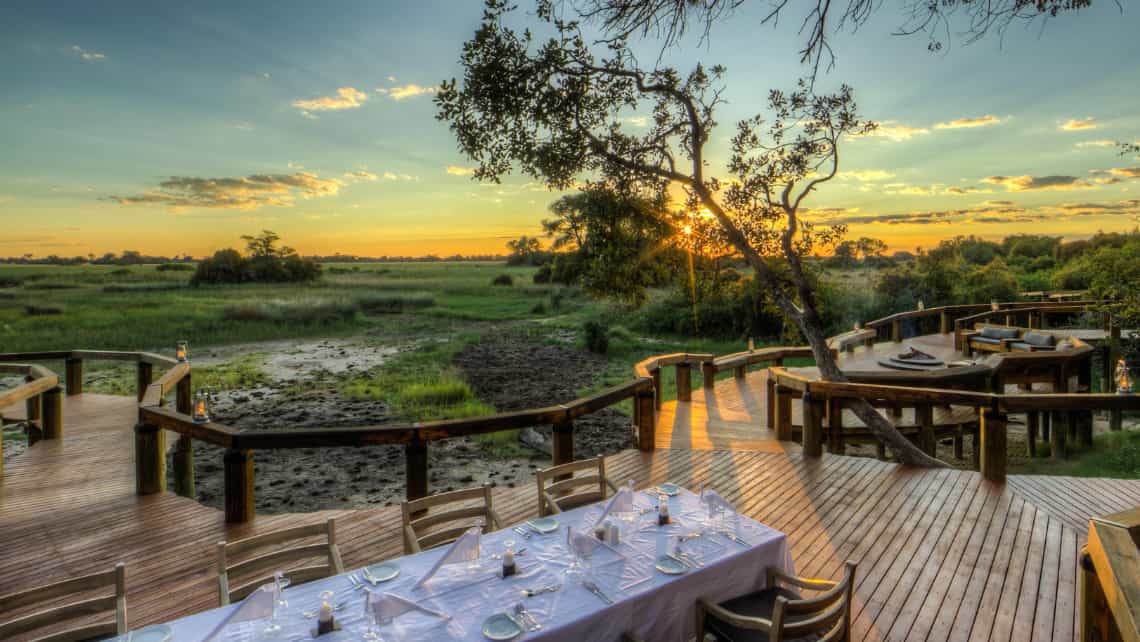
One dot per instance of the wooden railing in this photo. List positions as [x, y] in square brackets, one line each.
[1033, 317]
[1110, 579]
[40, 393]
[892, 325]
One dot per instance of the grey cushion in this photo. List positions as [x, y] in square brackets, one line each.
[1020, 345]
[999, 333]
[759, 604]
[1039, 339]
[985, 340]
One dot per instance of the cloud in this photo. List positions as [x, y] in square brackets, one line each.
[407, 91]
[392, 176]
[961, 123]
[894, 131]
[1074, 125]
[997, 203]
[638, 121]
[966, 189]
[1122, 172]
[240, 193]
[456, 170]
[1096, 143]
[1027, 183]
[1129, 207]
[345, 98]
[866, 175]
[361, 175]
[89, 56]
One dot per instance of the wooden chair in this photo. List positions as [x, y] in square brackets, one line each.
[116, 577]
[778, 614]
[558, 496]
[259, 568]
[424, 529]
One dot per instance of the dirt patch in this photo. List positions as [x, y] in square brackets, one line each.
[515, 373]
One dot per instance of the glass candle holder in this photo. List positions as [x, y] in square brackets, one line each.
[1125, 384]
[201, 412]
[182, 351]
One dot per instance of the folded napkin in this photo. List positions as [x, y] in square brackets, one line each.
[387, 606]
[621, 502]
[256, 606]
[584, 545]
[464, 549]
[715, 504]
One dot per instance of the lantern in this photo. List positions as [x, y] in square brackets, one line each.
[1123, 378]
[921, 305]
[751, 345]
[858, 326]
[995, 306]
[201, 407]
[182, 351]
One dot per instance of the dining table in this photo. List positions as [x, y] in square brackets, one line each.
[625, 589]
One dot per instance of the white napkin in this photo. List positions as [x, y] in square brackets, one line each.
[621, 502]
[387, 606]
[715, 504]
[464, 549]
[256, 606]
[584, 545]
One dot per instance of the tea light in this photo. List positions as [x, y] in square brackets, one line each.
[1123, 378]
[201, 407]
[662, 510]
[182, 351]
[921, 305]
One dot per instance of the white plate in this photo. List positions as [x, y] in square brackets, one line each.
[501, 627]
[155, 633]
[381, 572]
[671, 490]
[543, 524]
[670, 566]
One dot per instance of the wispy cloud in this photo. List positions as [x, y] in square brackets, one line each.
[90, 56]
[361, 175]
[867, 175]
[393, 176]
[963, 190]
[1121, 172]
[1076, 125]
[894, 131]
[1096, 143]
[456, 170]
[1028, 183]
[251, 192]
[962, 123]
[345, 98]
[410, 90]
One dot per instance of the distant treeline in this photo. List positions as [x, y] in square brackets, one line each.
[132, 257]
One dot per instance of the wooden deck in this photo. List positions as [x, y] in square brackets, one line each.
[942, 554]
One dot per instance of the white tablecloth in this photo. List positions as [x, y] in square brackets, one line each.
[654, 606]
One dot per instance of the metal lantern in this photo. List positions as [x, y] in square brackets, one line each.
[995, 306]
[201, 407]
[921, 305]
[751, 345]
[182, 351]
[1123, 378]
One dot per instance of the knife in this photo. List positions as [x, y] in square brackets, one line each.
[593, 588]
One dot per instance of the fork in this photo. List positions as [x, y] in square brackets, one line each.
[521, 530]
[356, 582]
[531, 592]
[521, 611]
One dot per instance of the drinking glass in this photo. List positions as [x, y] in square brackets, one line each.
[372, 633]
[273, 628]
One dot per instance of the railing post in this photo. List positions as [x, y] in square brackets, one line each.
[740, 372]
[416, 468]
[657, 388]
[993, 448]
[150, 460]
[944, 322]
[32, 405]
[52, 423]
[183, 395]
[646, 421]
[239, 480]
[144, 373]
[73, 376]
[835, 426]
[813, 426]
[184, 466]
[1032, 425]
[708, 375]
[1058, 435]
[896, 330]
[562, 442]
[783, 413]
[924, 417]
[684, 382]
[770, 404]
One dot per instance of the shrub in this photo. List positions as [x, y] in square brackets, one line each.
[175, 267]
[543, 274]
[597, 338]
[225, 266]
[119, 272]
[141, 287]
[51, 285]
[318, 312]
[394, 303]
[539, 308]
[228, 266]
[503, 279]
[42, 310]
[10, 282]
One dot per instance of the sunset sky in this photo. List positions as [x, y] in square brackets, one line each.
[177, 127]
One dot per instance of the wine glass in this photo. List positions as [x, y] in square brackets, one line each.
[280, 583]
[372, 632]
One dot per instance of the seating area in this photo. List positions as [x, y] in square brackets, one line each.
[991, 338]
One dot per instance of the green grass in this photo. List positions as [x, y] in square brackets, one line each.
[242, 372]
[1113, 454]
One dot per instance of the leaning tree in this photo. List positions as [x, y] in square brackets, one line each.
[559, 111]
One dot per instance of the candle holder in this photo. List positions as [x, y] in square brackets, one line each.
[201, 413]
[1125, 384]
[182, 351]
[921, 305]
[995, 306]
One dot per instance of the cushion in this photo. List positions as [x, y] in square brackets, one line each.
[1065, 345]
[1039, 339]
[759, 604]
[989, 340]
[1021, 345]
[1000, 333]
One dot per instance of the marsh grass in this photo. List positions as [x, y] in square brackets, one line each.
[1113, 454]
[305, 312]
[394, 303]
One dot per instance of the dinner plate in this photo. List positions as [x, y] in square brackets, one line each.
[155, 633]
[501, 627]
[543, 524]
[381, 572]
[671, 490]
[670, 565]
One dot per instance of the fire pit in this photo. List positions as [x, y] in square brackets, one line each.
[913, 359]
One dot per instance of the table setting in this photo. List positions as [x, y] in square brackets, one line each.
[636, 562]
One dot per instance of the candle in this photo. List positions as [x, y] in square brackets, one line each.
[751, 345]
[509, 567]
[662, 510]
[182, 351]
[326, 612]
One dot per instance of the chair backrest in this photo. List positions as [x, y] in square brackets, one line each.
[827, 614]
[115, 602]
[262, 555]
[424, 528]
[568, 489]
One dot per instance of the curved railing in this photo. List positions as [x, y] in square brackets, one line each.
[892, 325]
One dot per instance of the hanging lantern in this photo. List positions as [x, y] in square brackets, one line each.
[1123, 378]
[182, 351]
[921, 305]
[201, 407]
[995, 306]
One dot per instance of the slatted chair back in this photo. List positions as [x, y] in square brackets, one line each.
[827, 615]
[115, 603]
[454, 512]
[262, 555]
[570, 488]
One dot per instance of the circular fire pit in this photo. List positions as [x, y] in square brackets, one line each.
[912, 359]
